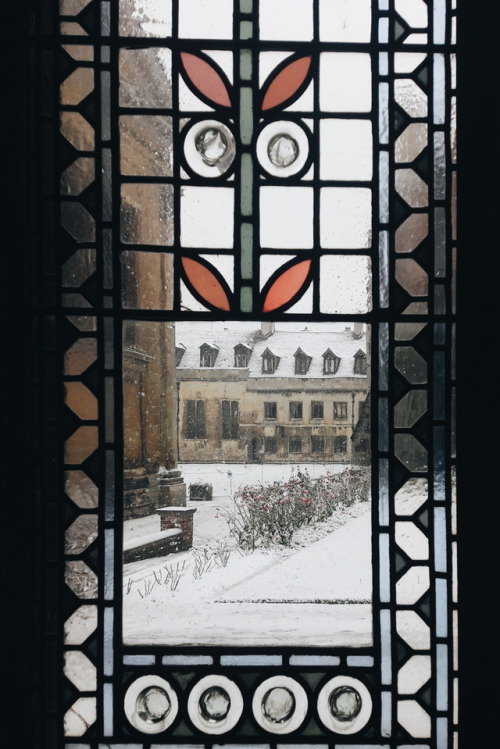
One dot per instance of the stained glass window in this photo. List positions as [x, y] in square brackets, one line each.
[246, 259]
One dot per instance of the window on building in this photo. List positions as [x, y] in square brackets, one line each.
[269, 362]
[339, 410]
[331, 362]
[295, 445]
[270, 444]
[270, 410]
[242, 355]
[360, 362]
[302, 362]
[340, 444]
[317, 410]
[194, 420]
[295, 409]
[230, 418]
[208, 355]
[317, 444]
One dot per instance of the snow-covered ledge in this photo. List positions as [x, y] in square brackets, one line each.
[178, 517]
[155, 545]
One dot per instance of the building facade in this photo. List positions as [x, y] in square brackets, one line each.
[267, 395]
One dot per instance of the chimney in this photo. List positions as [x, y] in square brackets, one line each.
[357, 330]
[266, 329]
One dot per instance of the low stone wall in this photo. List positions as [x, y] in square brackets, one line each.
[156, 545]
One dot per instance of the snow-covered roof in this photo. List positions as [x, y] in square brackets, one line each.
[283, 344]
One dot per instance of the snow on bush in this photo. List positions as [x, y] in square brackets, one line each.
[266, 515]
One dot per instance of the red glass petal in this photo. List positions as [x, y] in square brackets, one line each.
[206, 79]
[205, 284]
[286, 83]
[286, 286]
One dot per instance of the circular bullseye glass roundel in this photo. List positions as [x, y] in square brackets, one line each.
[215, 704]
[278, 704]
[150, 704]
[345, 703]
[209, 148]
[211, 143]
[283, 148]
[153, 704]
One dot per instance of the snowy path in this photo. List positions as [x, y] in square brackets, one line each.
[238, 605]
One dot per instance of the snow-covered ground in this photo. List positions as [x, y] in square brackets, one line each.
[315, 592]
[227, 478]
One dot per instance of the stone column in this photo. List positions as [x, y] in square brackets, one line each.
[172, 486]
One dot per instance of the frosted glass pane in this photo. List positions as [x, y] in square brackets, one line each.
[286, 217]
[346, 149]
[147, 18]
[345, 82]
[140, 71]
[146, 145]
[345, 217]
[345, 20]
[206, 19]
[147, 214]
[207, 217]
[280, 20]
[345, 283]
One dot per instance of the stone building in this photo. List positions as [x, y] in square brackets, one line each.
[267, 395]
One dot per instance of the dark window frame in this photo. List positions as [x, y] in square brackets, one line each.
[302, 362]
[336, 439]
[298, 442]
[318, 439]
[318, 406]
[343, 409]
[296, 405]
[195, 422]
[267, 405]
[230, 419]
[331, 362]
[360, 363]
[270, 441]
[208, 355]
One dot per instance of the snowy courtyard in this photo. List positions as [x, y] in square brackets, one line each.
[315, 591]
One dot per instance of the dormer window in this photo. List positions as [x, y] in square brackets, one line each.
[242, 355]
[331, 362]
[302, 362]
[179, 353]
[360, 362]
[269, 362]
[208, 355]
